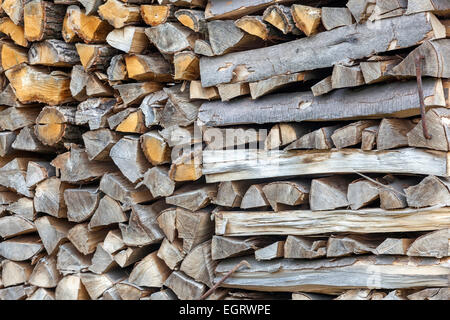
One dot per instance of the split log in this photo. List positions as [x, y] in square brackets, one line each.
[369, 138]
[203, 48]
[396, 36]
[55, 125]
[378, 69]
[13, 174]
[15, 32]
[388, 9]
[177, 136]
[322, 87]
[328, 193]
[129, 39]
[90, 28]
[171, 253]
[392, 133]
[49, 197]
[281, 18]
[440, 7]
[193, 227]
[155, 15]
[155, 148]
[38, 171]
[71, 288]
[129, 256]
[304, 248]
[35, 84]
[167, 222]
[329, 276]
[309, 296]
[150, 67]
[336, 17]
[13, 293]
[117, 69]
[346, 77]
[247, 164]
[361, 9]
[158, 181]
[108, 212]
[129, 158]
[24, 208]
[393, 197]
[307, 18]
[96, 285]
[186, 65]
[78, 83]
[119, 14]
[68, 31]
[95, 56]
[45, 274]
[85, 240]
[75, 167]
[193, 19]
[26, 140]
[99, 142]
[15, 273]
[53, 232]
[12, 55]
[256, 26]
[170, 37]
[340, 246]
[17, 118]
[70, 260]
[230, 193]
[361, 193]
[286, 193]
[90, 6]
[429, 192]
[7, 138]
[193, 198]
[254, 197]
[21, 248]
[113, 242]
[150, 272]
[430, 294]
[433, 244]
[81, 203]
[42, 20]
[319, 139]
[11, 226]
[305, 222]
[273, 251]
[199, 265]
[184, 286]
[14, 9]
[351, 134]
[132, 122]
[233, 90]
[437, 126]
[196, 91]
[393, 246]
[179, 109]
[398, 99]
[54, 53]
[227, 247]
[134, 93]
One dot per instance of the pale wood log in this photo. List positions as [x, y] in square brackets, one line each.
[119, 14]
[149, 67]
[345, 77]
[134, 93]
[53, 232]
[117, 118]
[12, 55]
[203, 47]
[304, 248]
[336, 17]
[227, 247]
[15, 273]
[27, 140]
[99, 142]
[102, 260]
[309, 296]
[433, 244]
[13, 293]
[429, 192]
[318, 139]
[186, 66]
[96, 86]
[71, 288]
[11, 226]
[129, 291]
[196, 91]
[81, 203]
[17, 118]
[281, 18]
[85, 240]
[155, 148]
[167, 222]
[121, 189]
[68, 32]
[96, 285]
[387, 9]
[369, 138]
[171, 253]
[361, 9]
[394, 197]
[199, 265]
[356, 294]
[351, 134]
[280, 194]
[95, 56]
[193, 197]
[129, 158]
[332, 276]
[49, 197]
[150, 272]
[193, 19]
[54, 53]
[437, 126]
[117, 69]
[318, 55]
[113, 241]
[54, 125]
[329, 193]
[378, 69]
[193, 227]
[393, 246]
[440, 7]
[184, 286]
[430, 294]
[254, 197]
[400, 161]
[362, 192]
[36, 84]
[13, 174]
[78, 83]
[15, 32]
[21, 248]
[90, 28]
[181, 136]
[108, 212]
[45, 274]
[14, 9]
[256, 26]
[42, 20]
[306, 18]
[157, 180]
[130, 255]
[70, 260]
[171, 37]
[132, 123]
[272, 251]
[322, 87]
[154, 15]
[90, 6]
[23, 207]
[129, 39]
[6, 140]
[38, 171]
[233, 90]
[339, 246]
[230, 193]
[179, 109]
[7, 197]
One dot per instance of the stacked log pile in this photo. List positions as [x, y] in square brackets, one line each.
[212, 149]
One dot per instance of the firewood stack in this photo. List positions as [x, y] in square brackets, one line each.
[149, 147]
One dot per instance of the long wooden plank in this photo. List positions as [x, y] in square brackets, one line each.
[322, 50]
[307, 222]
[398, 99]
[229, 165]
[335, 275]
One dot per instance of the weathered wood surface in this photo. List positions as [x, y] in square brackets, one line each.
[306, 222]
[229, 165]
[398, 99]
